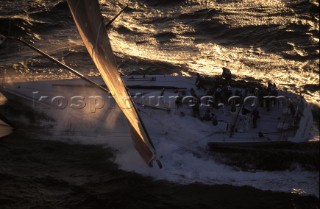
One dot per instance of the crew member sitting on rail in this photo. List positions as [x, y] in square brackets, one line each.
[198, 78]
[273, 92]
[226, 74]
[200, 82]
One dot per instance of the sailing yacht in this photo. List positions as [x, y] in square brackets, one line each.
[149, 108]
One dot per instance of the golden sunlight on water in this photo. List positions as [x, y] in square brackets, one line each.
[285, 62]
[209, 59]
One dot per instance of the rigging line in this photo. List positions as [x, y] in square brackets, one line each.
[115, 17]
[75, 72]
[233, 125]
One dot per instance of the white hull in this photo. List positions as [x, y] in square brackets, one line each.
[80, 109]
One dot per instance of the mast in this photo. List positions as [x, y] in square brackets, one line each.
[89, 22]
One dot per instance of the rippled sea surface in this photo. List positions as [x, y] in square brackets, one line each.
[275, 40]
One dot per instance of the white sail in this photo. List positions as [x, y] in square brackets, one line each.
[90, 24]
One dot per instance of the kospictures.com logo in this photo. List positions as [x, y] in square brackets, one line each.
[96, 102]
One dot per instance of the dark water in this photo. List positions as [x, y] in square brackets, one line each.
[35, 173]
[265, 40]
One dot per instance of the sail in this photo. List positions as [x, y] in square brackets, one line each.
[90, 24]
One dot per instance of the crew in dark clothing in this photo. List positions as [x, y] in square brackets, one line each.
[209, 101]
[268, 103]
[217, 95]
[179, 101]
[238, 93]
[261, 94]
[207, 116]
[229, 92]
[214, 119]
[292, 109]
[269, 86]
[245, 111]
[210, 92]
[193, 93]
[273, 92]
[226, 74]
[226, 93]
[198, 78]
[256, 116]
[200, 82]
[196, 109]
